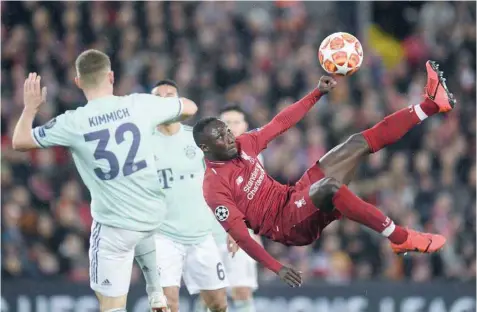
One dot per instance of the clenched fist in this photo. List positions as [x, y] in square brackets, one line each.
[326, 84]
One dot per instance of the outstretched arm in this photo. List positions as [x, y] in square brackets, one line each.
[219, 199]
[232, 220]
[291, 115]
[242, 237]
[238, 231]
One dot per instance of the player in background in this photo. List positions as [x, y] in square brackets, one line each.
[241, 268]
[112, 146]
[296, 215]
[185, 245]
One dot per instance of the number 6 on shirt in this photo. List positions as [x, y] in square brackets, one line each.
[129, 166]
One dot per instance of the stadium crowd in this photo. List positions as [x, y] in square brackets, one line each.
[263, 61]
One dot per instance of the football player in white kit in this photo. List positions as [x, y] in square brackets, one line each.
[186, 248]
[111, 140]
[241, 269]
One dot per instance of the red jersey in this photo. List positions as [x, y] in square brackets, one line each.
[240, 192]
[243, 181]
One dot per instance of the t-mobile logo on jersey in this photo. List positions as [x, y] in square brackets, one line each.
[254, 182]
[165, 177]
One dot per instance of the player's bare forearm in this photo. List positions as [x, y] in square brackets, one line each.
[22, 139]
[189, 108]
[241, 236]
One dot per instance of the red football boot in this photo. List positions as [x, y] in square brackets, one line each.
[436, 88]
[420, 242]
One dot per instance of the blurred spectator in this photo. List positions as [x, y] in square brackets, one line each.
[263, 60]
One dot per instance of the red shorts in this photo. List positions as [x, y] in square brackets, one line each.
[302, 222]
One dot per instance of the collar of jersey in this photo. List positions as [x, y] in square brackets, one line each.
[100, 100]
[215, 164]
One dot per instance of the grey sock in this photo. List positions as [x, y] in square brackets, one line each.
[147, 263]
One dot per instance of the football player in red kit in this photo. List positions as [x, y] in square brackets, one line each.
[241, 194]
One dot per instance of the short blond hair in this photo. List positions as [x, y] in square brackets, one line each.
[91, 67]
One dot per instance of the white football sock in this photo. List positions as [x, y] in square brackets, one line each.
[244, 306]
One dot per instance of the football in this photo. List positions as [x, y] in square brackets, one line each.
[340, 54]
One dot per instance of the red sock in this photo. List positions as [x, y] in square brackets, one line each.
[354, 208]
[396, 125]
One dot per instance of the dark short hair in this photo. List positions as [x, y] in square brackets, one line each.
[199, 128]
[167, 82]
[234, 108]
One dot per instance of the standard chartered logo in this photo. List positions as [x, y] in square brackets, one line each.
[254, 182]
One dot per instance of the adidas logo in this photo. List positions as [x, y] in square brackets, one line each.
[106, 283]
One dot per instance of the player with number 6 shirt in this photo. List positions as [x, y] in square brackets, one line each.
[111, 142]
[184, 245]
[242, 195]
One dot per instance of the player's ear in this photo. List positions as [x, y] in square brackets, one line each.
[111, 77]
[77, 82]
[204, 148]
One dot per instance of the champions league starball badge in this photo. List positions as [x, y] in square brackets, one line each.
[221, 213]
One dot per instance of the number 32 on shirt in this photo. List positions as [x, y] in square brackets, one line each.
[130, 165]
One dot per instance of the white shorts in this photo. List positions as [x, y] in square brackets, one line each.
[111, 255]
[200, 265]
[241, 269]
